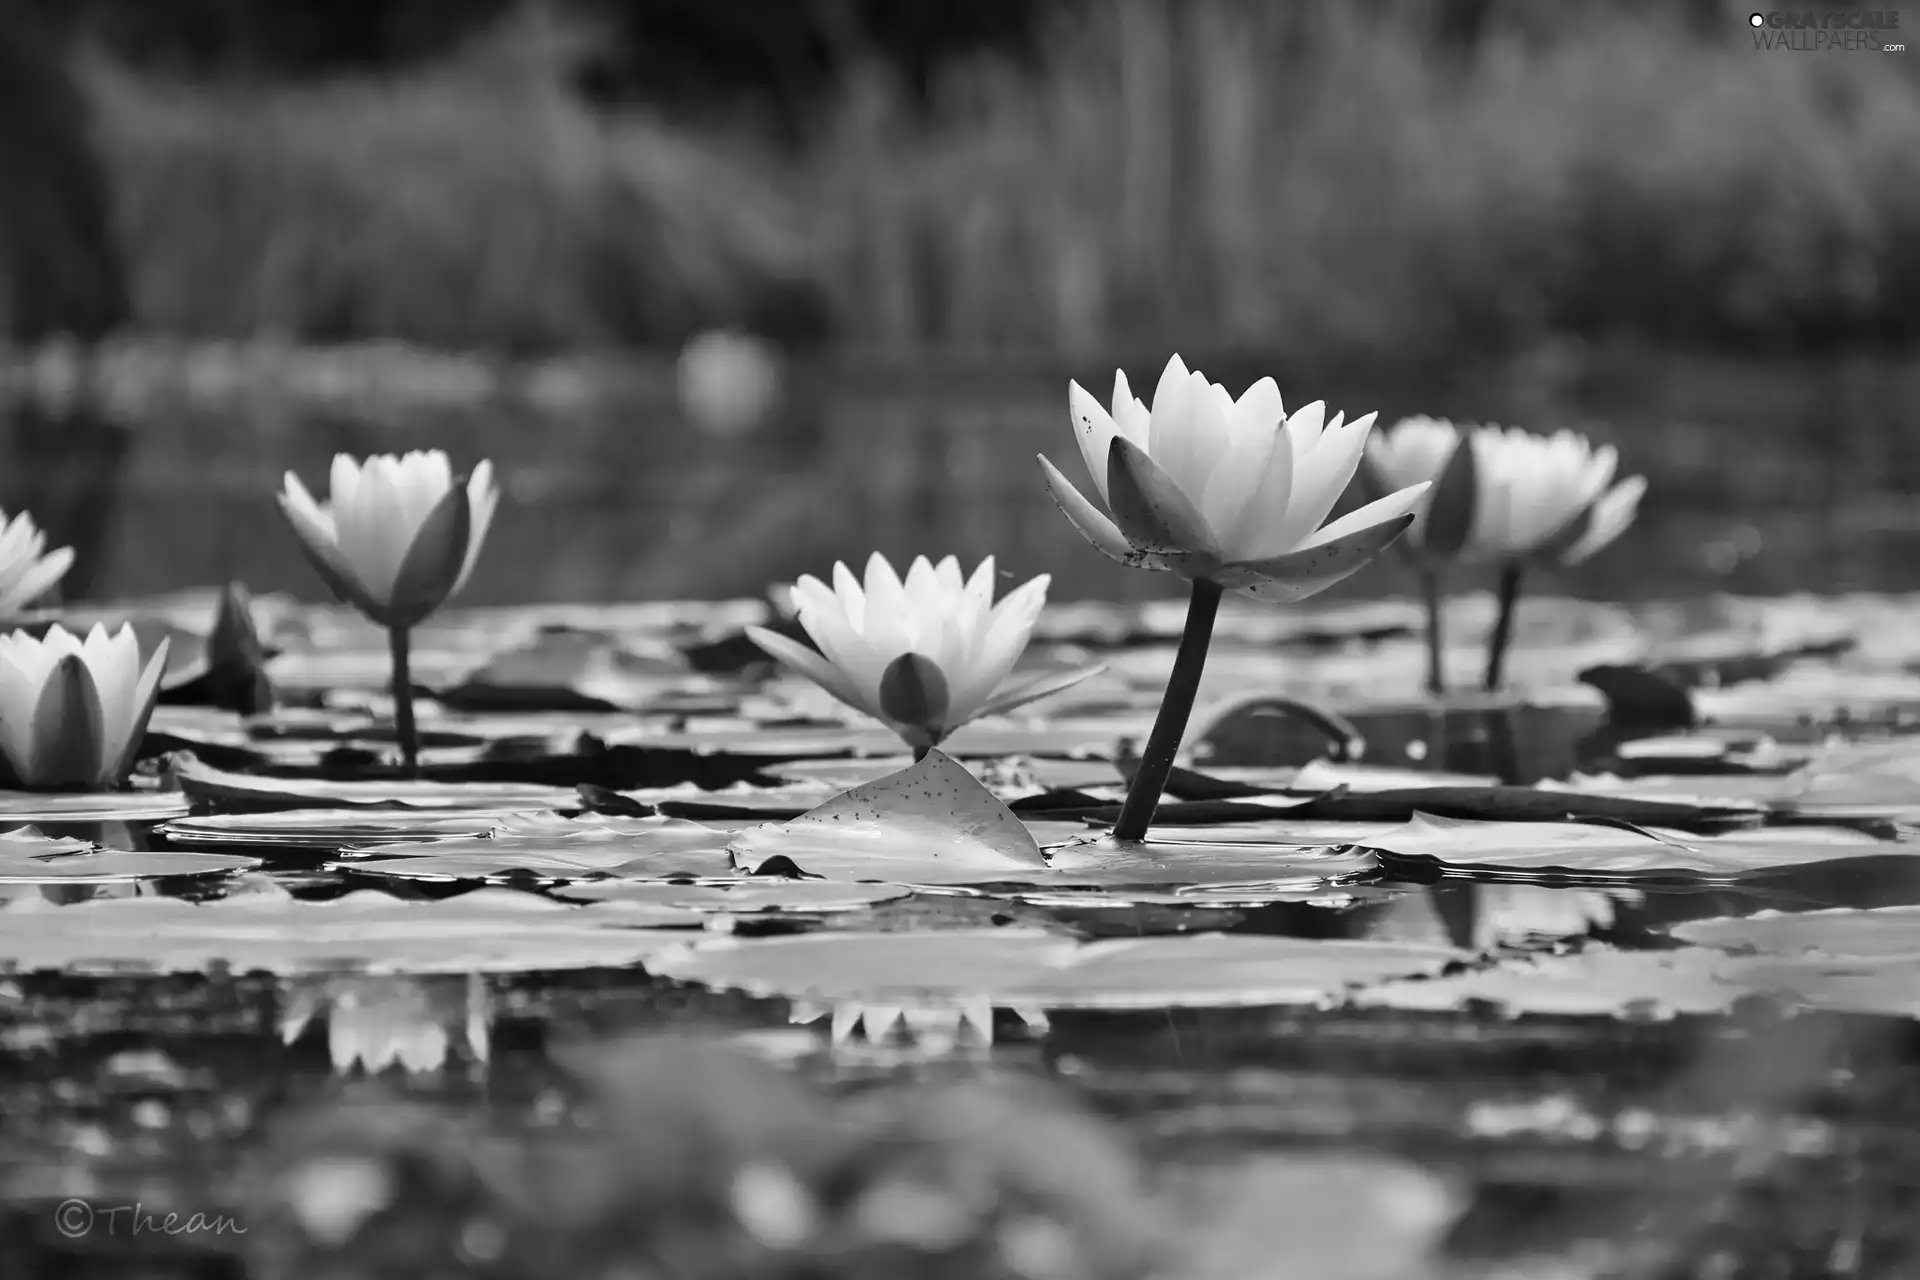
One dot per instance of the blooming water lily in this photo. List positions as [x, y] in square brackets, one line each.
[397, 537]
[1230, 495]
[26, 574]
[73, 712]
[923, 655]
[1505, 497]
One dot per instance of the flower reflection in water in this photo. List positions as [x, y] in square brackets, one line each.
[927, 1029]
[378, 1021]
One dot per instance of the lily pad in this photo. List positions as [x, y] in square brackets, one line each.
[489, 930]
[740, 897]
[1033, 969]
[1597, 981]
[1583, 851]
[551, 848]
[332, 828]
[28, 857]
[238, 790]
[932, 822]
[1876, 933]
[105, 806]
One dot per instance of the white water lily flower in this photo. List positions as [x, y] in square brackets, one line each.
[397, 536]
[73, 712]
[1223, 490]
[1529, 495]
[25, 574]
[923, 656]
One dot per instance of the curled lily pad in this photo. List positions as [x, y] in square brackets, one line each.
[1032, 969]
[232, 790]
[105, 806]
[489, 930]
[1572, 850]
[331, 828]
[931, 822]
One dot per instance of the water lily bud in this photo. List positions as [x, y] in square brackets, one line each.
[1504, 495]
[913, 692]
[924, 655]
[1226, 491]
[26, 574]
[73, 712]
[398, 536]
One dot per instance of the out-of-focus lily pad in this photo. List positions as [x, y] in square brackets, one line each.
[1860, 932]
[745, 896]
[238, 790]
[564, 669]
[1571, 850]
[104, 806]
[489, 930]
[931, 822]
[1598, 980]
[1031, 969]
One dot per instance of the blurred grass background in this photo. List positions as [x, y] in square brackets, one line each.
[1616, 214]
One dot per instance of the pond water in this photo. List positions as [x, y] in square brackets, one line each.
[1416, 1046]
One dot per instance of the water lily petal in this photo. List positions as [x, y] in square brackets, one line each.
[1321, 475]
[1093, 430]
[483, 497]
[1447, 522]
[36, 581]
[330, 563]
[1611, 516]
[114, 662]
[1008, 629]
[433, 563]
[1347, 551]
[64, 747]
[815, 668]
[1149, 508]
[145, 694]
[1045, 686]
[1092, 524]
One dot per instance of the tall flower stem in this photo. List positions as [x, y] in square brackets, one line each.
[1502, 626]
[1436, 640]
[398, 643]
[1156, 762]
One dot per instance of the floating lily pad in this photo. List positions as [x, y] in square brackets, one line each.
[28, 857]
[105, 806]
[551, 848]
[1583, 851]
[1246, 866]
[761, 893]
[1034, 969]
[489, 930]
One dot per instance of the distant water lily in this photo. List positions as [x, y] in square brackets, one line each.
[1228, 494]
[1504, 497]
[26, 574]
[73, 712]
[397, 537]
[923, 655]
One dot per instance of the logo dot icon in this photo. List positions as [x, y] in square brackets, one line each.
[1756, 19]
